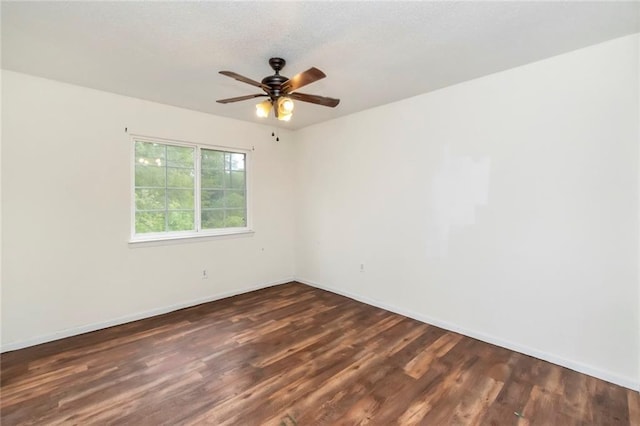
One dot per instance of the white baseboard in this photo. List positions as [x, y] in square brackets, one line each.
[545, 356]
[132, 317]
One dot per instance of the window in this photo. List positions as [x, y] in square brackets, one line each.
[184, 190]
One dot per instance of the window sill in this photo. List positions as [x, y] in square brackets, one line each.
[158, 240]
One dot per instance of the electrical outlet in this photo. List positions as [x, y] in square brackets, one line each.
[205, 276]
[362, 267]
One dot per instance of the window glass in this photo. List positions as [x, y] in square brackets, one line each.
[166, 178]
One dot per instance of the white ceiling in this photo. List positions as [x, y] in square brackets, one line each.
[372, 52]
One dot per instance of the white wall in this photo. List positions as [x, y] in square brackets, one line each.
[504, 207]
[67, 266]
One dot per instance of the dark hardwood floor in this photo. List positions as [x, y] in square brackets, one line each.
[295, 355]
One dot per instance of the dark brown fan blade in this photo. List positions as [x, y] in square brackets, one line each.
[244, 79]
[314, 99]
[302, 79]
[239, 98]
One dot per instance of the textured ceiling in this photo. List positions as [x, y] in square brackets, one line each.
[372, 52]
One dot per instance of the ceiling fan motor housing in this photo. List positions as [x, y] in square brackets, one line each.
[275, 81]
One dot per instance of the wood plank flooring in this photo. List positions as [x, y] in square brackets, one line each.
[294, 355]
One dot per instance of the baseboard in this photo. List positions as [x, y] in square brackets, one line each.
[545, 356]
[133, 317]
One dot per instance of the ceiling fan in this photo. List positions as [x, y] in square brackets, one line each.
[280, 91]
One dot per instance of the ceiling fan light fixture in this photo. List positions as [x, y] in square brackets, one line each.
[286, 105]
[285, 117]
[285, 108]
[263, 109]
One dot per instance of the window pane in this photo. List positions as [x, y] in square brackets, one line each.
[212, 178]
[150, 176]
[235, 199]
[223, 190]
[235, 219]
[148, 153]
[150, 199]
[180, 199]
[180, 156]
[179, 178]
[158, 167]
[212, 159]
[235, 180]
[237, 161]
[212, 199]
[212, 219]
[150, 222]
[181, 221]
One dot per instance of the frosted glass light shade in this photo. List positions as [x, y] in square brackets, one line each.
[263, 109]
[286, 104]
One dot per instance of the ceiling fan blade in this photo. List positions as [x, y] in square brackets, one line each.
[244, 79]
[239, 98]
[314, 99]
[302, 79]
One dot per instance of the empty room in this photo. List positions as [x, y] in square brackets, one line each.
[320, 213]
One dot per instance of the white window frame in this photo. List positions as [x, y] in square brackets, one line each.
[198, 232]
